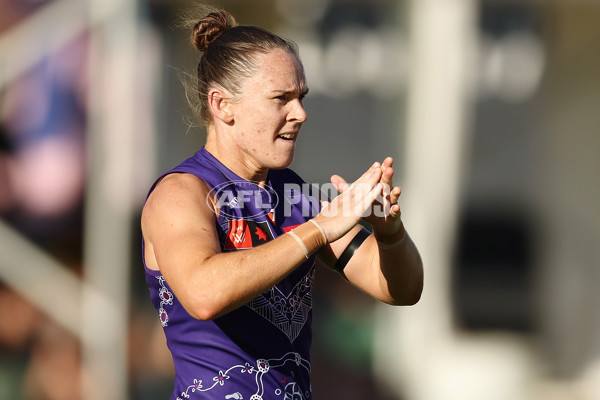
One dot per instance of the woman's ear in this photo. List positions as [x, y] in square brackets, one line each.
[219, 102]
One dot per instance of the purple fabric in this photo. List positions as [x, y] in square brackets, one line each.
[262, 349]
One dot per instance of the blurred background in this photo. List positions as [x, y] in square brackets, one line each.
[491, 109]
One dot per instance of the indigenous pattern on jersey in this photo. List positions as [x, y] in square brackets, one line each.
[261, 350]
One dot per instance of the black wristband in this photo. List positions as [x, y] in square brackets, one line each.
[360, 237]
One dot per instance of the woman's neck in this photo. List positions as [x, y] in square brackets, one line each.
[230, 155]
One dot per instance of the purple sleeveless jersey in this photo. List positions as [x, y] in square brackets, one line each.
[262, 349]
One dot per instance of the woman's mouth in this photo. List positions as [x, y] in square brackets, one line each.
[288, 136]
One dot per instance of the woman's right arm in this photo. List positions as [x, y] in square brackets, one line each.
[181, 241]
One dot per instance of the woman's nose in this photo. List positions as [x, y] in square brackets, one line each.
[298, 113]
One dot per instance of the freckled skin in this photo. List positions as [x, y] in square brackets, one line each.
[270, 104]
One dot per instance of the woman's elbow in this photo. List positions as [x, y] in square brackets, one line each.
[203, 314]
[414, 298]
[409, 296]
[203, 309]
[406, 300]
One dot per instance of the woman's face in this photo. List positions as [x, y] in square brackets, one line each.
[268, 114]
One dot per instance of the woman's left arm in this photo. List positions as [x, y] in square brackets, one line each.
[387, 264]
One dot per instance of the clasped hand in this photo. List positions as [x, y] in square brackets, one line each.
[372, 198]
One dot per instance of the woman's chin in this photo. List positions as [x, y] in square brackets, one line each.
[283, 162]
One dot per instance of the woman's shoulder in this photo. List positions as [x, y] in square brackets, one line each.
[175, 184]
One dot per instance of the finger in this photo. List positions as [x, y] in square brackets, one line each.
[395, 207]
[395, 211]
[387, 163]
[342, 185]
[365, 176]
[395, 195]
[387, 174]
[374, 177]
[376, 193]
[384, 200]
[362, 192]
[376, 164]
[364, 185]
[339, 183]
[364, 202]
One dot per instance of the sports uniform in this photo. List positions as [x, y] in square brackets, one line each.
[262, 349]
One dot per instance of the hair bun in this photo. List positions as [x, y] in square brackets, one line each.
[210, 28]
